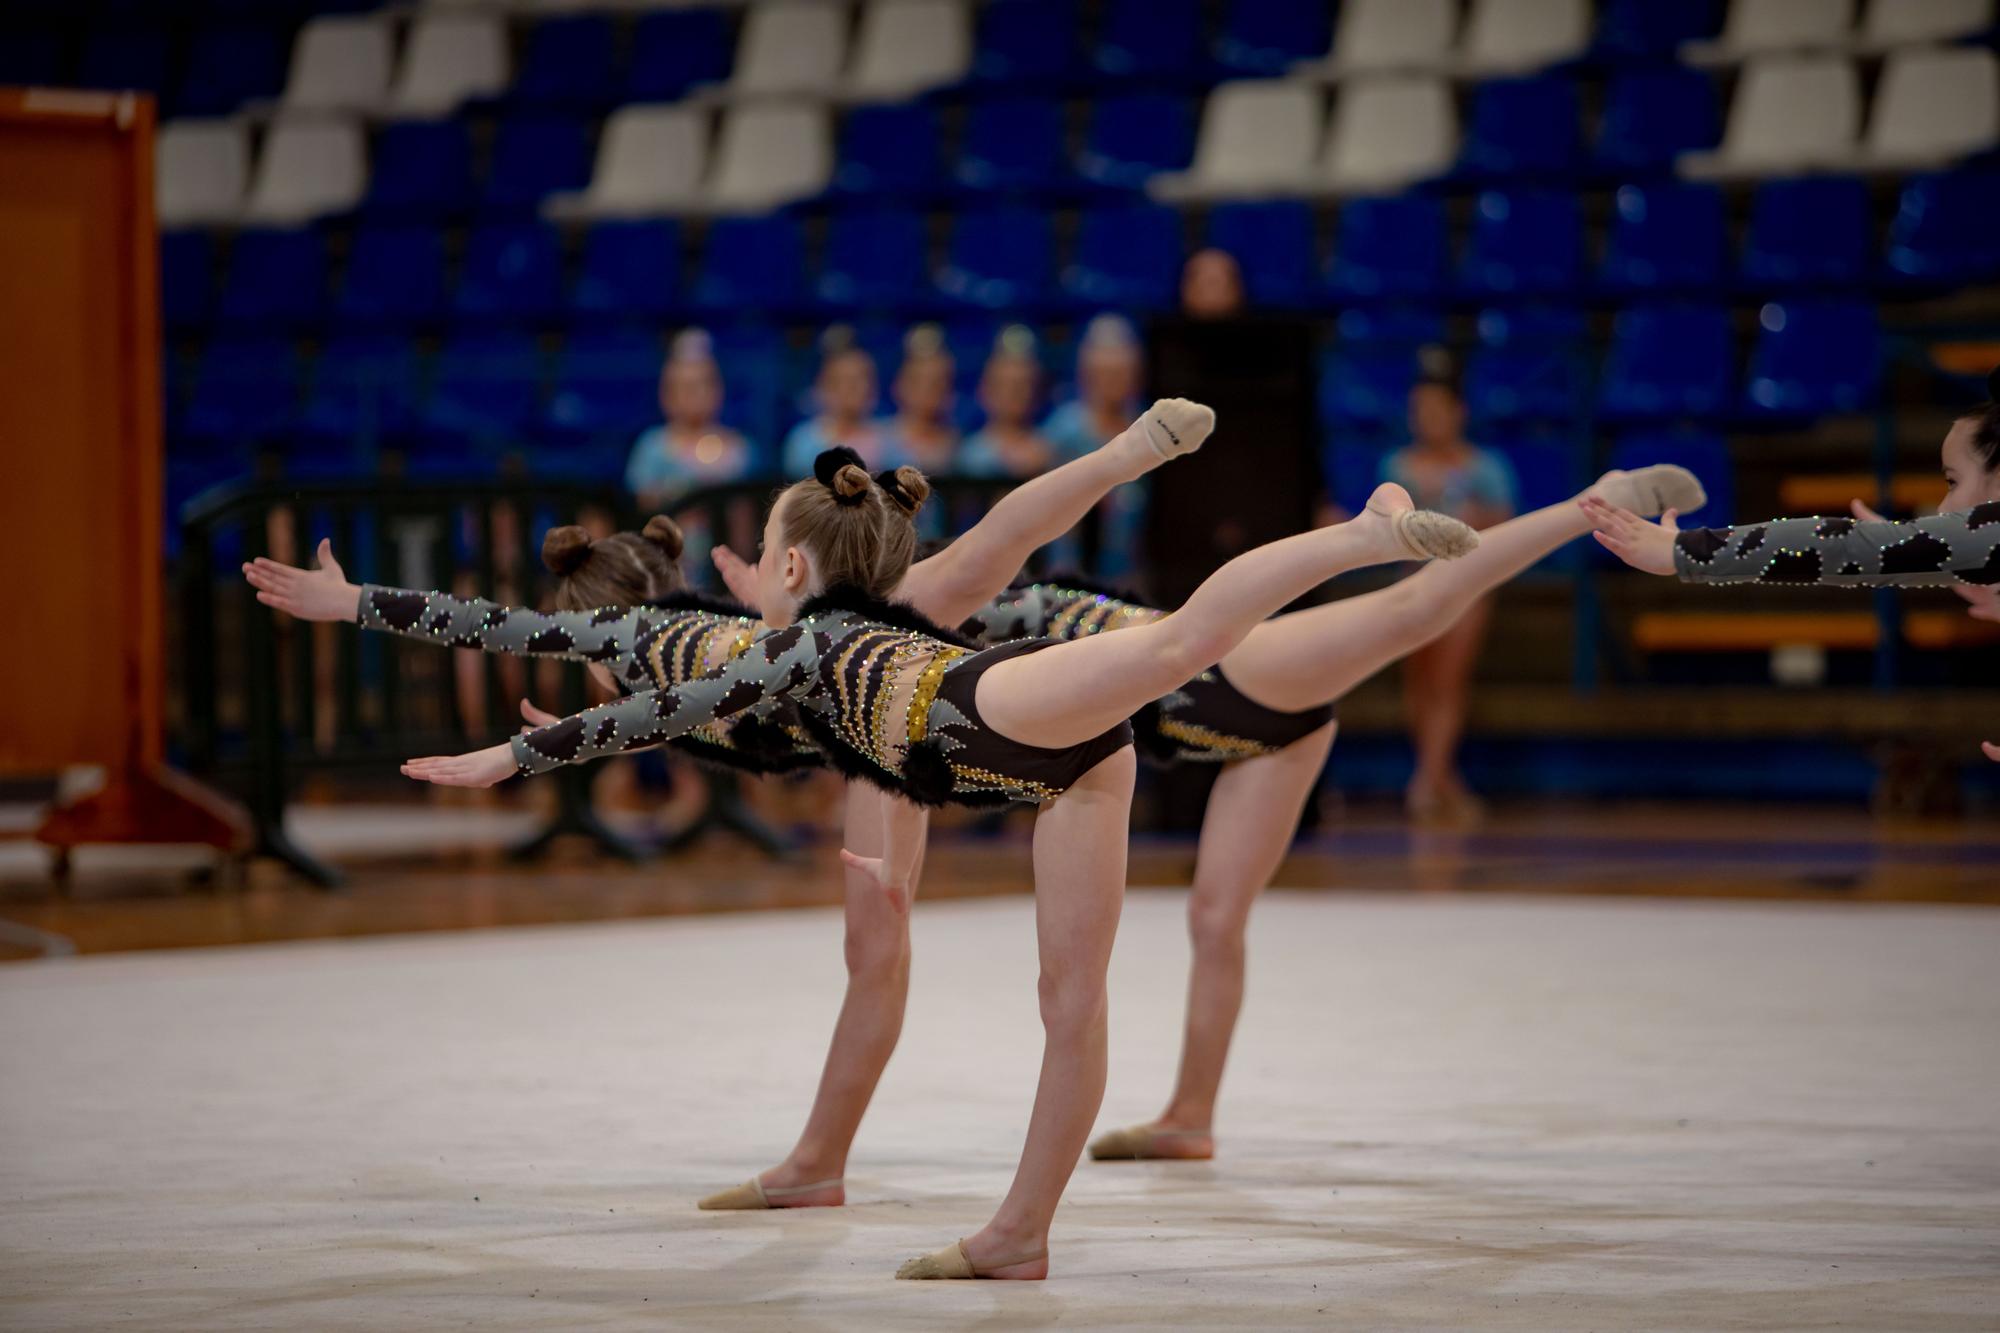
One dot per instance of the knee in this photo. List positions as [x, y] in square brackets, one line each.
[1071, 1001]
[1215, 929]
[878, 959]
[1194, 648]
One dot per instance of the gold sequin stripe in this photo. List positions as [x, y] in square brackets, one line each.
[985, 779]
[1205, 738]
[861, 697]
[919, 719]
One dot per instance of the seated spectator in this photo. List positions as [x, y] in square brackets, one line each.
[693, 448]
[1009, 444]
[1212, 285]
[845, 396]
[922, 432]
[1109, 373]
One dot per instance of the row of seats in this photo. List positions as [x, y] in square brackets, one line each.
[1788, 114]
[1664, 238]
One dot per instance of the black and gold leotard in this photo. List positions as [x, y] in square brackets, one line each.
[1962, 547]
[1207, 720]
[887, 697]
[656, 646]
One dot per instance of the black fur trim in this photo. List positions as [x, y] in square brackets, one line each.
[927, 774]
[687, 599]
[847, 597]
[730, 759]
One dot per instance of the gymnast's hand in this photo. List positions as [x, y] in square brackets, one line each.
[481, 768]
[1985, 599]
[537, 717]
[877, 869]
[1642, 545]
[740, 578]
[309, 594]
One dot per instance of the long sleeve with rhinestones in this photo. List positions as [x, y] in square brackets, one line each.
[1961, 547]
[1054, 611]
[609, 635]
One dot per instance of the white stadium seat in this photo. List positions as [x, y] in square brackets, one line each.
[1789, 114]
[308, 168]
[202, 169]
[908, 46]
[1388, 132]
[771, 154]
[1934, 104]
[449, 58]
[1762, 27]
[1914, 22]
[791, 46]
[1392, 35]
[650, 160]
[340, 64]
[1521, 36]
[1258, 136]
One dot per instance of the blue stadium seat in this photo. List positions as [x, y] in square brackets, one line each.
[1530, 324]
[395, 275]
[512, 271]
[1654, 114]
[1013, 143]
[1814, 232]
[631, 269]
[1701, 452]
[487, 387]
[1813, 357]
[421, 169]
[1132, 139]
[1403, 326]
[1273, 243]
[754, 264]
[187, 278]
[1388, 248]
[227, 67]
[1650, 30]
[1149, 39]
[1522, 128]
[607, 383]
[1525, 381]
[874, 259]
[1945, 229]
[1546, 468]
[1524, 242]
[1367, 387]
[889, 149]
[125, 57]
[534, 157]
[1265, 38]
[245, 390]
[1127, 255]
[364, 389]
[1351, 462]
[678, 50]
[1026, 42]
[568, 62]
[277, 279]
[1668, 361]
[1665, 237]
[751, 357]
[999, 258]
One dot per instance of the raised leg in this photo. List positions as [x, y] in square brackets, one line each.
[1079, 887]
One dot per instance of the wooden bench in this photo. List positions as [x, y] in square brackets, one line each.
[1828, 493]
[1723, 632]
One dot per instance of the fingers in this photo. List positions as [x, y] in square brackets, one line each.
[853, 862]
[1864, 513]
[1992, 750]
[1667, 520]
[540, 717]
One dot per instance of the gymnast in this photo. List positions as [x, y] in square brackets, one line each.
[902, 704]
[1959, 546]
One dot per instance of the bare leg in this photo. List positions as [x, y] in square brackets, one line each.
[871, 1019]
[1079, 886]
[1252, 813]
[1069, 693]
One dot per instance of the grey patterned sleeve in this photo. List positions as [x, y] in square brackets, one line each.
[1018, 613]
[608, 635]
[1961, 547]
[782, 664]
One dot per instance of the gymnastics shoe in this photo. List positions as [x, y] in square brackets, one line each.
[953, 1264]
[756, 1195]
[1652, 491]
[1175, 426]
[1143, 1143]
[1423, 534]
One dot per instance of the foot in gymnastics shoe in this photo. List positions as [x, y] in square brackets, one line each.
[953, 1264]
[755, 1194]
[1175, 426]
[1652, 491]
[1146, 1143]
[1420, 534]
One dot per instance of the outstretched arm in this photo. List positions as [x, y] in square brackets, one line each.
[1959, 547]
[782, 664]
[608, 635]
[977, 567]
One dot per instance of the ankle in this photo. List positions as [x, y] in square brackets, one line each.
[1186, 1120]
[799, 1170]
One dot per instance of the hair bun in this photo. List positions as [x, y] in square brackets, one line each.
[906, 487]
[831, 461]
[664, 533]
[840, 470]
[565, 549]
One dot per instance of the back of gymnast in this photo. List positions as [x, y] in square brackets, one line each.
[932, 722]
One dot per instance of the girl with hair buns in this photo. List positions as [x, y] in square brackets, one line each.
[918, 712]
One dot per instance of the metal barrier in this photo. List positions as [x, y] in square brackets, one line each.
[266, 700]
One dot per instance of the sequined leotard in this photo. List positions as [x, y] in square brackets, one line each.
[888, 697]
[1961, 547]
[1207, 720]
[656, 646]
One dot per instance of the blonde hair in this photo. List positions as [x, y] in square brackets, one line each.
[856, 528]
[624, 569]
